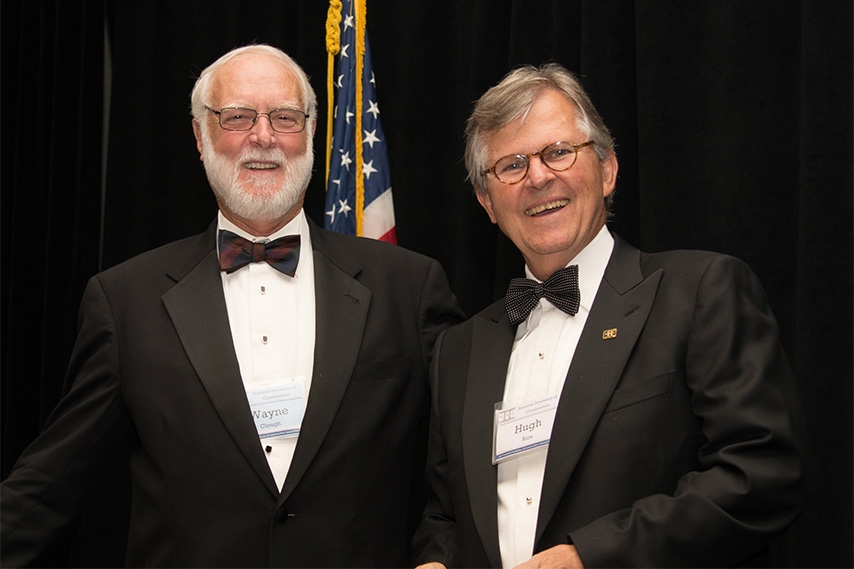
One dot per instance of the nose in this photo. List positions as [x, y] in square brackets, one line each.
[262, 132]
[538, 173]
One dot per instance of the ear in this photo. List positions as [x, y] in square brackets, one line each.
[609, 174]
[197, 132]
[483, 198]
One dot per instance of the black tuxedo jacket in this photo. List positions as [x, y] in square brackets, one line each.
[677, 438]
[154, 365]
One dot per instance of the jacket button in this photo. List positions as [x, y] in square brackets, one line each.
[281, 516]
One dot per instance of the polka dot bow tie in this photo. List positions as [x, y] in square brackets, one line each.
[561, 289]
[236, 252]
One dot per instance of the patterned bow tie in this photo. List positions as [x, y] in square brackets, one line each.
[561, 289]
[235, 252]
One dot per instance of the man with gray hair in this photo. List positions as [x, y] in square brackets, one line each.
[268, 377]
[616, 408]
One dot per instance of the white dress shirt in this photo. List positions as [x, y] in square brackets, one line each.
[542, 352]
[272, 320]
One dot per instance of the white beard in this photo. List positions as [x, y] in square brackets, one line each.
[269, 201]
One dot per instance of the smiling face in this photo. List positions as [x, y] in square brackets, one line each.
[550, 216]
[259, 176]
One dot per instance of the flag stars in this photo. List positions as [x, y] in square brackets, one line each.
[368, 169]
[343, 207]
[370, 138]
[348, 22]
[346, 160]
[344, 49]
[374, 109]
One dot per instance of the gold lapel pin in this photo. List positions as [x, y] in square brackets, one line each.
[609, 334]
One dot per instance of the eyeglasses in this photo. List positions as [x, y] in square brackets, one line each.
[281, 120]
[558, 156]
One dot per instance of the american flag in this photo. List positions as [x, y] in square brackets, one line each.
[358, 184]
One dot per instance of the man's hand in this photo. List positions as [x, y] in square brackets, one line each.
[558, 557]
[431, 565]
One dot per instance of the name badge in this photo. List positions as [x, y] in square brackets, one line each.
[277, 408]
[524, 428]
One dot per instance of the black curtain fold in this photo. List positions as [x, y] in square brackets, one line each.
[733, 123]
[51, 127]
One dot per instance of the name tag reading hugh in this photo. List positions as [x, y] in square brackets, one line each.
[523, 428]
[277, 408]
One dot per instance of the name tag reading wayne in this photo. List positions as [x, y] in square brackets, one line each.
[523, 428]
[277, 407]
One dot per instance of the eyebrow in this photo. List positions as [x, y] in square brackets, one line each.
[281, 106]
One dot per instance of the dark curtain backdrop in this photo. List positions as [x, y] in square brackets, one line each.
[733, 120]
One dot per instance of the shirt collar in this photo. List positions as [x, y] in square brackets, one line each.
[296, 226]
[591, 262]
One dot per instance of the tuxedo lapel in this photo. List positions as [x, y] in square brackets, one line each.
[341, 306]
[490, 355]
[621, 307]
[197, 307]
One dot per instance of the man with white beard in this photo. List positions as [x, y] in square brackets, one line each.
[267, 376]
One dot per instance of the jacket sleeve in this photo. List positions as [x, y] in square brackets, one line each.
[749, 485]
[438, 308]
[435, 539]
[56, 476]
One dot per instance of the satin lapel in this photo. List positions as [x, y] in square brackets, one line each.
[490, 354]
[622, 303]
[197, 307]
[342, 308]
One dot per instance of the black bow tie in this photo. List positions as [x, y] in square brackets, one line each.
[561, 289]
[235, 252]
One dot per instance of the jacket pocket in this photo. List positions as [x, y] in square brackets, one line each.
[641, 391]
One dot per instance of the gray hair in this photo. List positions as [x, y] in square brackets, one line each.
[201, 90]
[512, 98]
